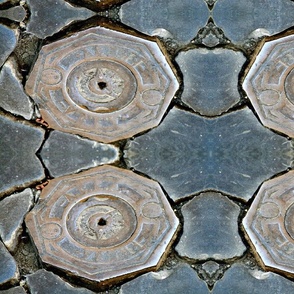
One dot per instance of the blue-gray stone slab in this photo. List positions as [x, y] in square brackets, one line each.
[210, 79]
[238, 19]
[240, 279]
[42, 282]
[12, 95]
[8, 40]
[188, 154]
[182, 19]
[12, 212]
[210, 228]
[19, 165]
[16, 13]
[182, 279]
[8, 267]
[65, 153]
[15, 290]
[44, 24]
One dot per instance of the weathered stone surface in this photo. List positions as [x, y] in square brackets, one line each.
[210, 228]
[181, 279]
[239, 19]
[8, 40]
[19, 165]
[43, 281]
[16, 13]
[179, 20]
[187, 153]
[102, 84]
[102, 224]
[12, 212]
[239, 279]
[210, 79]
[65, 153]
[44, 24]
[269, 84]
[269, 223]
[12, 95]
[15, 290]
[8, 269]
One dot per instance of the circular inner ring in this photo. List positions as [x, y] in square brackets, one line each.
[289, 86]
[289, 221]
[101, 85]
[101, 221]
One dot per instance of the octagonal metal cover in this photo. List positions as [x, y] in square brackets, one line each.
[102, 224]
[269, 84]
[102, 84]
[269, 223]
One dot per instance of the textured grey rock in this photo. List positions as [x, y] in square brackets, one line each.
[8, 269]
[210, 79]
[239, 19]
[210, 228]
[42, 282]
[188, 154]
[16, 13]
[239, 279]
[8, 40]
[181, 279]
[181, 19]
[12, 212]
[65, 153]
[44, 24]
[19, 165]
[15, 290]
[12, 95]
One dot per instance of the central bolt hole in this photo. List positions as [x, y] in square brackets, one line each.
[102, 222]
[102, 85]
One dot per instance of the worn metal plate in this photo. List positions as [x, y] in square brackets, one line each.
[102, 224]
[102, 84]
[270, 84]
[269, 223]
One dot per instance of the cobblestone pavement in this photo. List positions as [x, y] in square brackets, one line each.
[146, 146]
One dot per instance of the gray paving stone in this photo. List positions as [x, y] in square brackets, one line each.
[210, 228]
[16, 13]
[188, 153]
[19, 165]
[8, 40]
[12, 95]
[239, 19]
[239, 279]
[15, 290]
[181, 279]
[12, 212]
[210, 79]
[8, 269]
[44, 24]
[181, 19]
[42, 282]
[65, 153]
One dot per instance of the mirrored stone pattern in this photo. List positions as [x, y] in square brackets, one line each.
[146, 146]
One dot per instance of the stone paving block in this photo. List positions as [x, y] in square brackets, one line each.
[65, 153]
[238, 19]
[269, 223]
[210, 79]
[12, 212]
[8, 269]
[269, 84]
[19, 165]
[102, 225]
[210, 228]
[102, 84]
[239, 279]
[16, 13]
[15, 290]
[43, 281]
[177, 19]
[188, 154]
[8, 40]
[182, 279]
[12, 95]
[44, 24]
